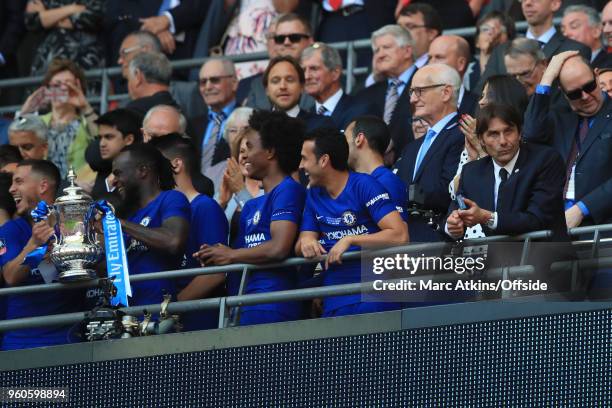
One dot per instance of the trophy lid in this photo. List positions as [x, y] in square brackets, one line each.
[72, 193]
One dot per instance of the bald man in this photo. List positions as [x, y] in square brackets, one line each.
[582, 136]
[454, 51]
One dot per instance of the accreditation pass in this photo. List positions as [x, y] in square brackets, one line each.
[33, 394]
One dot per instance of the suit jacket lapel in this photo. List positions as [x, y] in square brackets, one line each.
[487, 201]
[601, 122]
[340, 108]
[505, 195]
[553, 44]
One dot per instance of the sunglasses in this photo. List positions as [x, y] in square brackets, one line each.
[293, 38]
[215, 80]
[577, 94]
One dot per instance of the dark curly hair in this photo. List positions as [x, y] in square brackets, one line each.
[281, 133]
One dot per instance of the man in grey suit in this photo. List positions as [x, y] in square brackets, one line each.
[539, 16]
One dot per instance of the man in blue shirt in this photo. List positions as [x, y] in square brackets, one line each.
[268, 224]
[33, 181]
[155, 217]
[368, 138]
[344, 211]
[208, 226]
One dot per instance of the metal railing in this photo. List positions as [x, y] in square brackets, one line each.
[104, 75]
[224, 303]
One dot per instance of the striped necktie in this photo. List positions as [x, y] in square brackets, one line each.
[392, 98]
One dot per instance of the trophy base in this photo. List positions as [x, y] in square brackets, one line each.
[77, 275]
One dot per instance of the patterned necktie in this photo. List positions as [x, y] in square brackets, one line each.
[208, 150]
[573, 155]
[427, 141]
[392, 98]
[322, 110]
[503, 175]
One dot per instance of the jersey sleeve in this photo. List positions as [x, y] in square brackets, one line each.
[211, 223]
[377, 200]
[309, 219]
[11, 243]
[288, 203]
[175, 205]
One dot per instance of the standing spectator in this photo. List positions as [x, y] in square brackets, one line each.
[606, 20]
[424, 24]
[323, 71]
[393, 51]
[583, 24]
[71, 122]
[29, 134]
[149, 81]
[9, 158]
[454, 14]
[218, 84]
[604, 79]
[135, 43]
[72, 32]
[12, 29]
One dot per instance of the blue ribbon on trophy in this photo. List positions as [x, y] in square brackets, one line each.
[116, 259]
[40, 213]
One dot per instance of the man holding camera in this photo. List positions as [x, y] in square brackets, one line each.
[429, 163]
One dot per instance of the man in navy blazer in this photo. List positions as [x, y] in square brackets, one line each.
[583, 137]
[393, 52]
[322, 70]
[429, 163]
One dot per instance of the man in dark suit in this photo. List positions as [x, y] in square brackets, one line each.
[516, 189]
[429, 163]
[284, 83]
[582, 23]
[322, 70]
[392, 46]
[582, 136]
[539, 16]
[148, 82]
[454, 51]
[218, 84]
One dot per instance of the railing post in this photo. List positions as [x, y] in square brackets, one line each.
[222, 312]
[104, 92]
[350, 66]
[596, 240]
[525, 252]
[243, 281]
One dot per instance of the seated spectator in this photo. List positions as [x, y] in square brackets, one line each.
[72, 32]
[148, 82]
[133, 44]
[208, 225]
[218, 84]
[430, 163]
[154, 217]
[323, 71]
[270, 223]
[492, 29]
[29, 134]
[393, 51]
[162, 120]
[367, 218]
[583, 24]
[9, 157]
[117, 129]
[604, 79]
[454, 51]
[368, 138]
[33, 181]
[606, 21]
[284, 81]
[71, 122]
[292, 34]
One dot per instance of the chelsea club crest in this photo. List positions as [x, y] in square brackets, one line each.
[145, 221]
[348, 218]
[256, 217]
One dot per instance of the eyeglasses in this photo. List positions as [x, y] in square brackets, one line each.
[293, 38]
[413, 26]
[577, 94]
[525, 74]
[126, 51]
[417, 91]
[214, 80]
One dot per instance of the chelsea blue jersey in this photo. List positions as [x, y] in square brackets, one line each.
[395, 187]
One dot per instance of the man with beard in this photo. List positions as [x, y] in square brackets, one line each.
[155, 217]
[33, 181]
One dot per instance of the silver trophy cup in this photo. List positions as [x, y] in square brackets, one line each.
[77, 250]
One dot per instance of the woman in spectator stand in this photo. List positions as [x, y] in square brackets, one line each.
[71, 122]
[499, 89]
[71, 28]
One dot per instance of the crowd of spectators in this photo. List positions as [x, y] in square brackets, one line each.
[260, 161]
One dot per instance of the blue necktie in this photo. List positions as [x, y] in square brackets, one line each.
[423, 150]
[165, 6]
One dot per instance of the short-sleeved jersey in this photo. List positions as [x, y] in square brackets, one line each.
[395, 187]
[208, 226]
[356, 211]
[142, 259]
[285, 202]
[14, 236]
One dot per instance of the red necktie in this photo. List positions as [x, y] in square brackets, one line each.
[335, 4]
